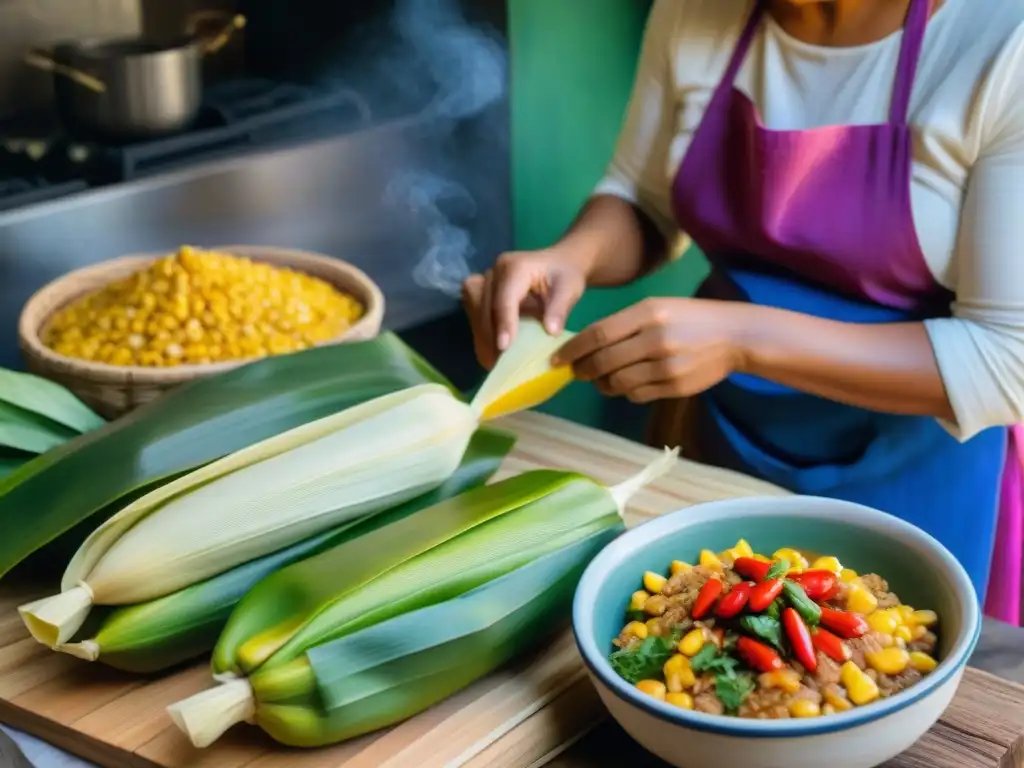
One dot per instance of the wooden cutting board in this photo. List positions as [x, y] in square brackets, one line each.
[524, 715]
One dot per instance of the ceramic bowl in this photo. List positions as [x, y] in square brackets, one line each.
[919, 569]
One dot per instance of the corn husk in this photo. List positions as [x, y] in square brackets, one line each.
[155, 635]
[429, 558]
[260, 499]
[275, 493]
[388, 672]
[76, 486]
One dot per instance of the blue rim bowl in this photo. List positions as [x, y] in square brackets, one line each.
[919, 569]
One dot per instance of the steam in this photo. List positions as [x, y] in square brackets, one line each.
[468, 67]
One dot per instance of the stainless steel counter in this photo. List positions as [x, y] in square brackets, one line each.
[343, 197]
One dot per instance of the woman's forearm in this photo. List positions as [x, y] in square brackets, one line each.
[613, 241]
[889, 368]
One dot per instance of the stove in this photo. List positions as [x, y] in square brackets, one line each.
[39, 161]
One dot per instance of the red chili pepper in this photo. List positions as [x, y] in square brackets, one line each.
[845, 624]
[761, 657]
[706, 598]
[819, 585]
[800, 639]
[764, 594]
[752, 569]
[734, 602]
[830, 645]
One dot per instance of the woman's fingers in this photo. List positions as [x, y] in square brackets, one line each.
[474, 299]
[604, 333]
[562, 297]
[606, 361]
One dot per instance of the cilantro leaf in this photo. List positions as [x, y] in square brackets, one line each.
[709, 659]
[778, 569]
[644, 661]
[732, 690]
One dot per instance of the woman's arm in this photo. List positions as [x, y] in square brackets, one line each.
[889, 368]
[623, 231]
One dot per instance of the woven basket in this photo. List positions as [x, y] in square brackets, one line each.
[113, 390]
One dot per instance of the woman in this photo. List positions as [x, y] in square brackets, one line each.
[854, 172]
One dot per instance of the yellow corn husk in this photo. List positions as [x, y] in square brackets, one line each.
[277, 492]
[455, 547]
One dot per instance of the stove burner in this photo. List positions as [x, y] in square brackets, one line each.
[247, 113]
[41, 161]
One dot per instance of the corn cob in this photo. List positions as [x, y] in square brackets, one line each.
[429, 558]
[158, 634]
[275, 493]
[385, 673]
[69, 491]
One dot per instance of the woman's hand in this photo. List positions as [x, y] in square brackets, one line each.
[660, 348]
[544, 284]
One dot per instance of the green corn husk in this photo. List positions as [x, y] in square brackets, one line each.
[48, 400]
[186, 429]
[158, 634]
[386, 673]
[428, 558]
[29, 432]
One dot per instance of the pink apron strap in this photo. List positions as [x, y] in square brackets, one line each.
[1003, 600]
[910, 51]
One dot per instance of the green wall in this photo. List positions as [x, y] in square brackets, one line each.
[572, 70]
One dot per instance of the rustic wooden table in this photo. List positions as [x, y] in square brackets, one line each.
[529, 714]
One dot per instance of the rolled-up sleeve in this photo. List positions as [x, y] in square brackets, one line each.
[637, 172]
[980, 350]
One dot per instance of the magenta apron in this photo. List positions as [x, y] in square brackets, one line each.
[819, 221]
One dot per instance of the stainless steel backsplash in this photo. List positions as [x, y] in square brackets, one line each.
[27, 23]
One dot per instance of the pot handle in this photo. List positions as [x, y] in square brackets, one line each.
[214, 43]
[42, 61]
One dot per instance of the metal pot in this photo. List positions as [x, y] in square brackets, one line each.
[130, 88]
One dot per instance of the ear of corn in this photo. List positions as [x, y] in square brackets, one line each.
[75, 483]
[272, 494]
[523, 376]
[396, 669]
[157, 634]
[260, 499]
[429, 558]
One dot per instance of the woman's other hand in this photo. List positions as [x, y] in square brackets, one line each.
[544, 284]
[660, 348]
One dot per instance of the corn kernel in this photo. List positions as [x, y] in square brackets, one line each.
[653, 582]
[804, 708]
[922, 662]
[181, 293]
[681, 700]
[905, 612]
[923, 618]
[787, 680]
[678, 566]
[678, 674]
[859, 599]
[848, 575]
[744, 548]
[904, 633]
[637, 600]
[859, 687]
[655, 605]
[917, 632]
[884, 621]
[797, 562]
[827, 563]
[888, 661]
[828, 709]
[836, 700]
[652, 625]
[654, 688]
[692, 642]
[710, 560]
[761, 558]
[636, 629]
